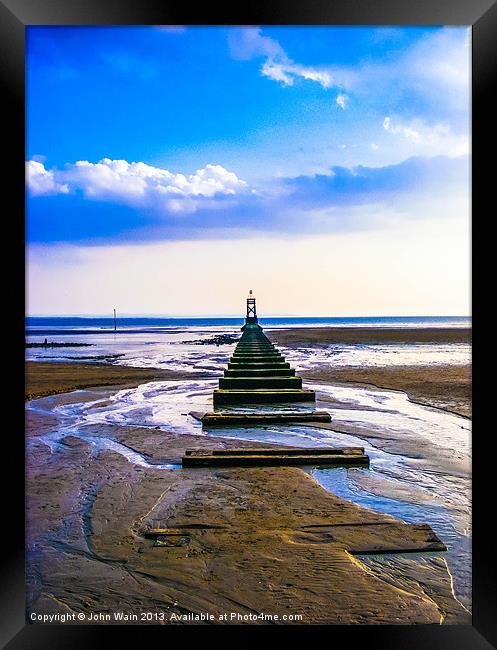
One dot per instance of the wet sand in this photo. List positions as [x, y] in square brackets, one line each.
[46, 378]
[442, 386]
[253, 540]
[320, 336]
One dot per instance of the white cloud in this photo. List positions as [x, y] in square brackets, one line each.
[437, 139]
[42, 181]
[136, 183]
[248, 43]
[407, 131]
[436, 67]
[285, 71]
[441, 59]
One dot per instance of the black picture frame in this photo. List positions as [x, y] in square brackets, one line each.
[15, 15]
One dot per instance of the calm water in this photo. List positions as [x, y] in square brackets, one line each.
[169, 343]
[45, 324]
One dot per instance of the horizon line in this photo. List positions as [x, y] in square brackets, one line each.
[238, 316]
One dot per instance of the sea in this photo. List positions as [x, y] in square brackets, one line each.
[145, 322]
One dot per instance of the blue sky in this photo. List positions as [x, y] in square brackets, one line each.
[146, 138]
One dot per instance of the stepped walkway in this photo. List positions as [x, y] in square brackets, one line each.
[258, 373]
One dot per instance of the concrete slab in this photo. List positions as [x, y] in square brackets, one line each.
[263, 395]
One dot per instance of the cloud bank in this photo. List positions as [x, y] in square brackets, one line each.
[135, 183]
[248, 43]
[214, 202]
[42, 181]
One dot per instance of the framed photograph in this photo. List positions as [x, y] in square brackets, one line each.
[248, 322]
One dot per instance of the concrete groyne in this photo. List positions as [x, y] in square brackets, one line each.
[257, 371]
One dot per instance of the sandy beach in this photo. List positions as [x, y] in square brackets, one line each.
[320, 336]
[258, 540]
[252, 541]
[45, 378]
[442, 386]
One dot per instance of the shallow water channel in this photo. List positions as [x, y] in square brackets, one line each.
[400, 481]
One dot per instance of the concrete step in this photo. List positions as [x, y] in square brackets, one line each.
[257, 357]
[262, 396]
[264, 372]
[255, 345]
[252, 352]
[258, 351]
[254, 366]
[223, 419]
[256, 348]
[263, 460]
[278, 451]
[260, 382]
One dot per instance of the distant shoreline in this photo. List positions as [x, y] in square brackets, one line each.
[319, 336]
